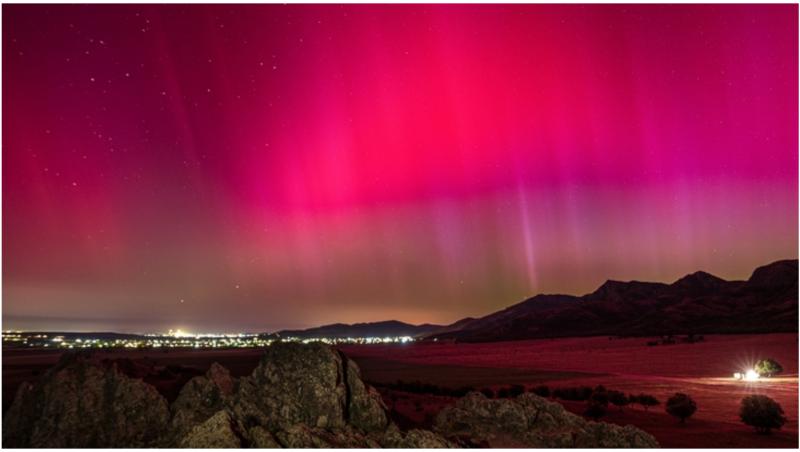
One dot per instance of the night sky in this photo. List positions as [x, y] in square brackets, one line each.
[231, 168]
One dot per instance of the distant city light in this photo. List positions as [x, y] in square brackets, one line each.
[747, 375]
[180, 339]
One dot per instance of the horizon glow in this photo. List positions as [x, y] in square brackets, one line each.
[260, 167]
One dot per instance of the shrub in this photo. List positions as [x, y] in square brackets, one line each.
[597, 404]
[618, 399]
[541, 391]
[516, 390]
[595, 410]
[488, 392]
[600, 395]
[681, 406]
[768, 367]
[459, 392]
[418, 387]
[502, 393]
[578, 393]
[584, 392]
[646, 401]
[761, 412]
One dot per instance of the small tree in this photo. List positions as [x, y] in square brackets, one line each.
[516, 390]
[502, 393]
[461, 392]
[681, 406]
[761, 412]
[600, 394]
[583, 393]
[595, 410]
[574, 393]
[768, 367]
[646, 401]
[488, 392]
[618, 399]
[597, 405]
[541, 391]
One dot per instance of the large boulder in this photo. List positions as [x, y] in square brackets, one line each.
[365, 407]
[303, 436]
[216, 432]
[530, 421]
[309, 384]
[83, 402]
[297, 384]
[413, 439]
[298, 396]
[200, 398]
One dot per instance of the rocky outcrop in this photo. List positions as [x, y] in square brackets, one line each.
[531, 421]
[365, 407]
[313, 385]
[413, 439]
[216, 432]
[298, 396]
[307, 394]
[201, 398]
[85, 403]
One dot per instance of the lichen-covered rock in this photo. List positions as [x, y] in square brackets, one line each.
[413, 439]
[365, 409]
[215, 432]
[298, 396]
[84, 403]
[303, 436]
[531, 421]
[424, 439]
[601, 434]
[200, 398]
[297, 384]
[261, 438]
[299, 436]
[309, 384]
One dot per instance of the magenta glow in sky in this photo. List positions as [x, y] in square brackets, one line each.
[224, 168]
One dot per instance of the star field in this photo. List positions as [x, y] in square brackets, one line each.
[228, 168]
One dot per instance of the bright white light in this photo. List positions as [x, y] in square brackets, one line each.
[737, 376]
[751, 375]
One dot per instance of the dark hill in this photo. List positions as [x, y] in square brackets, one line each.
[697, 303]
[699, 283]
[389, 328]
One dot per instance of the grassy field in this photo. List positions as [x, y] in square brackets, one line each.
[703, 370]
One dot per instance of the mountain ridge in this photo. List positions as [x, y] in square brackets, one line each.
[385, 328]
[696, 303]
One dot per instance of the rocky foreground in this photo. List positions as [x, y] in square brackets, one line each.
[298, 396]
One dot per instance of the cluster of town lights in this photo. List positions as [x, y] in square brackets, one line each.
[178, 339]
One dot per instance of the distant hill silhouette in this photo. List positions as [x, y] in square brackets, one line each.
[697, 303]
[389, 328]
